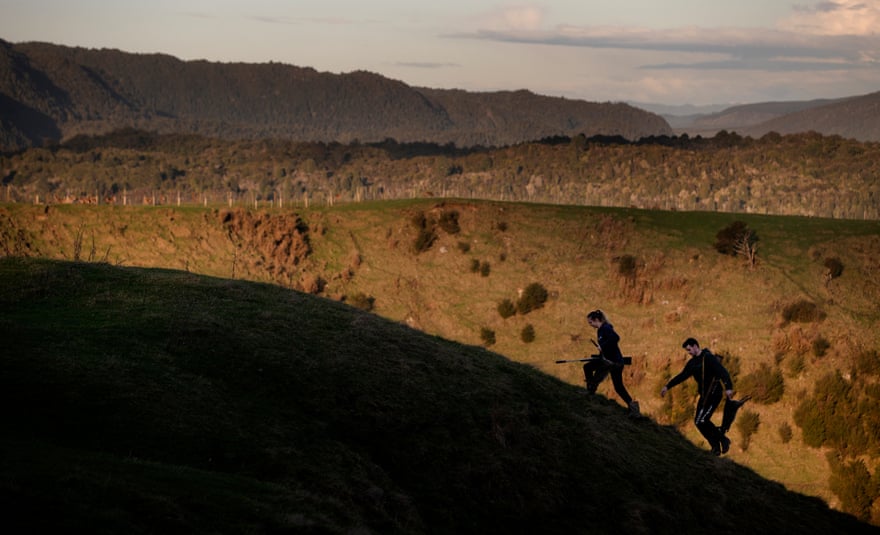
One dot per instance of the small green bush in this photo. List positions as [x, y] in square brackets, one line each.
[627, 266]
[785, 432]
[501, 225]
[506, 308]
[747, 423]
[484, 269]
[533, 297]
[464, 246]
[765, 384]
[424, 240]
[796, 365]
[527, 334]
[835, 267]
[449, 222]
[820, 346]
[475, 265]
[487, 335]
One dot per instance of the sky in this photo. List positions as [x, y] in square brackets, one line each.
[672, 52]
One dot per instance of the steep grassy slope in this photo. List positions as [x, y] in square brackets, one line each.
[144, 401]
[680, 285]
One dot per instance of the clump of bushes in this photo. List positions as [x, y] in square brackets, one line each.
[765, 384]
[527, 334]
[475, 265]
[464, 246]
[802, 311]
[734, 238]
[506, 308]
[484, 269]
[533, 297]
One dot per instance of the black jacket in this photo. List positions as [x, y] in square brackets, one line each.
[608, 340]
[705, 369]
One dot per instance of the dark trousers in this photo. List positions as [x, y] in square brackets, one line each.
[596, 371]
[703, 418]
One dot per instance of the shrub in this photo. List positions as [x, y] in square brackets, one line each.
[487, 335]
[501, 225]
[730, 239]
[851, 483]
[424, 240]
[449, 222]
[797, 365]
[527, 334]
[484, 269]
[475, 265]
[785, 432]
[627, 266]
[802, 311]
[362, 301]
[419, 220]
[764, 384]
[835, 267]
[464, 246]
[868, 363]
[747, 423]
[820, 346]
[506, 308]
[533, 297]
[731, 362]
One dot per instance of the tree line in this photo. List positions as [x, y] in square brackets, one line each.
[798, 174]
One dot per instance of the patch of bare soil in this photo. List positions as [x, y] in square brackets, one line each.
[274, 244]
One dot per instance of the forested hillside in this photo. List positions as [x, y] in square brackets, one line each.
[804, 174]
[50, 92]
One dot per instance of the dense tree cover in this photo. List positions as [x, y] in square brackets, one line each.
[804, 174]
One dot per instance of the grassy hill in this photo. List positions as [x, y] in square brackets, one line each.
[677, 285]
[150, 400]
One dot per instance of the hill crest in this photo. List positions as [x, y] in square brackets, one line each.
[53, 92]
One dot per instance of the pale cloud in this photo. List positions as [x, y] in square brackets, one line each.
[844, 17]
[826, 36]
[514, 18]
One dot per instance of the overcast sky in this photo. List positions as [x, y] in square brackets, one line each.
[675, 52]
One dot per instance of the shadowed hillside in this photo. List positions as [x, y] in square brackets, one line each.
[143, 401]
[805, 309]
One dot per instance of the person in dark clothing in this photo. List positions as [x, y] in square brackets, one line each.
[611, 361]
[712, 378]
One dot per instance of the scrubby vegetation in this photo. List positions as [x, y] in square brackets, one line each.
[533, 297]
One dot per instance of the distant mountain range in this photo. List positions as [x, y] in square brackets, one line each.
[50, 92]
[852, 117]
